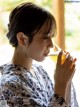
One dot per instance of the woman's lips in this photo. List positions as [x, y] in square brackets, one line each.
[46, 54]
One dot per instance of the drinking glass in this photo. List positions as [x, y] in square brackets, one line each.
[54, 52]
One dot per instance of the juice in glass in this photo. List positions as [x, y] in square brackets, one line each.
[54, 54]
[54, 57]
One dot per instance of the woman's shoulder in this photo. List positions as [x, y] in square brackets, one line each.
[8, 76]
[10, 68]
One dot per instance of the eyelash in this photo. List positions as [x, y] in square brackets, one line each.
[45, 37]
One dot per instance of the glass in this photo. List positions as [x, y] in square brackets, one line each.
[54, 52]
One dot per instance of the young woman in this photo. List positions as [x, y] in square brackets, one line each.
[24, 84]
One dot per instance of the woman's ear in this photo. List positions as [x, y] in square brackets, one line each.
[22, 39]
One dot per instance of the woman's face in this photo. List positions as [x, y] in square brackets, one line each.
[40, 45]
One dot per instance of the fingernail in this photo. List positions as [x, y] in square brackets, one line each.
[71, 59]
[67, 55]
[75, 59]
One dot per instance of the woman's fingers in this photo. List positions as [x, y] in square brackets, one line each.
[69, 61]
[72, 68]
[67, 58]
[64, 72]
[59, 58]
[73, 63]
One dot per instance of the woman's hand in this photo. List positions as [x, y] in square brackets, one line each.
[63, 73]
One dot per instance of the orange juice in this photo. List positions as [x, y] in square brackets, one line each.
[55, 56]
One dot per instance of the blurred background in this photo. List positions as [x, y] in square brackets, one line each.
[71, 29]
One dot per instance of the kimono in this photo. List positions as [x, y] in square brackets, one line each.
[19, 88]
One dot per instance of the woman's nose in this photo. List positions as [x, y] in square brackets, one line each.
[51, 44]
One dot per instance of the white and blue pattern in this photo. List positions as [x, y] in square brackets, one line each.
[19, 88]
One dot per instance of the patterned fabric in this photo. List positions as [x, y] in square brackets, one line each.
[19, 88]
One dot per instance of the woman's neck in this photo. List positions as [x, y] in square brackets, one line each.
[19, 58]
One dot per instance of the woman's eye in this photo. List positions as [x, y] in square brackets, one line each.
[45, 37]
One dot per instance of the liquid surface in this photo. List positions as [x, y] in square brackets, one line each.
[54, 57]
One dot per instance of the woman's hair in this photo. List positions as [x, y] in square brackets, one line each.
[27, 18]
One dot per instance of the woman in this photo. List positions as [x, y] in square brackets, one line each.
[24, 84]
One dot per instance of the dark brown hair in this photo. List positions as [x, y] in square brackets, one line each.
[27, 18]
